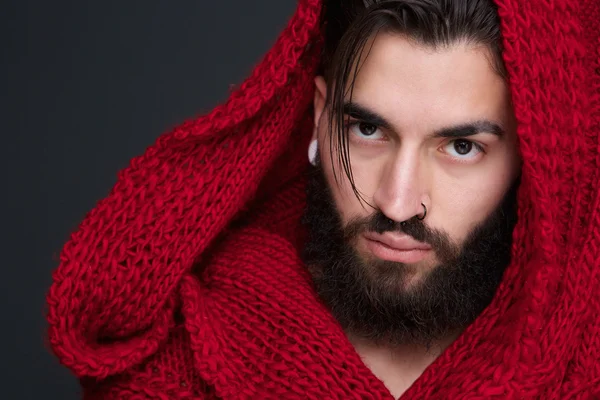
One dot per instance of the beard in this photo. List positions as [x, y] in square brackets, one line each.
[370, 297]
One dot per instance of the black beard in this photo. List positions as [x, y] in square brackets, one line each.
[368, 297]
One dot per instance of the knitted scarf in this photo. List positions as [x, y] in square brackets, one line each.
[185, 280]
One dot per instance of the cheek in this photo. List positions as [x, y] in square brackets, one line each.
[462, 205]
[464, 200]
[364, 173]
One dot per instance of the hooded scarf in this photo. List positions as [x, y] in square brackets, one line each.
[185, 280]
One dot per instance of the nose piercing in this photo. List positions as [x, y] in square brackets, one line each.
[420, 218]
[424, 213]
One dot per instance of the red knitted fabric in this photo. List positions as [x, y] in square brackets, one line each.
[185, 281]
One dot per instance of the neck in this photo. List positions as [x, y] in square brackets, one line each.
[398, 366]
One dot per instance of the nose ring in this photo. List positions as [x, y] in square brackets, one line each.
[424, 213]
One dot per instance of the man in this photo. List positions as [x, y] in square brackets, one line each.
[433, 152]
[404, 272]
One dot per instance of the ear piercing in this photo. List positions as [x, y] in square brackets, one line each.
[312, 152]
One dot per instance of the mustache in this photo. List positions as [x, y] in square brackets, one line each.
[379, 223]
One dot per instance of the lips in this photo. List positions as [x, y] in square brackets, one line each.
[397, 242]
[397, 248]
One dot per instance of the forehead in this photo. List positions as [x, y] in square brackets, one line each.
[412, 83]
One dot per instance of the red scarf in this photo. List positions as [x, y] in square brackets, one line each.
[185, 280]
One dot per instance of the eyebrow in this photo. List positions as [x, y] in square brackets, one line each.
[367, 116]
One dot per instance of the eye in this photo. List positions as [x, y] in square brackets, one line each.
[365, 131]
[463, 149]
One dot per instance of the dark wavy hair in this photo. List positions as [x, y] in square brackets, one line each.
[349, 24]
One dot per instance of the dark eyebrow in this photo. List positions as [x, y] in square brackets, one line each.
[365, 115]
[463, 130]
[470, 129]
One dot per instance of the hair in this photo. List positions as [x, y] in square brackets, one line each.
[349, 24]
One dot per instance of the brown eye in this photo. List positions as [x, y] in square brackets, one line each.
[367, 129]
[463, 147]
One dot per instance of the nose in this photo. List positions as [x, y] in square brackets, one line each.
[401, 189]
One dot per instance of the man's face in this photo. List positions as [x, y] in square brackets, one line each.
[429, 128]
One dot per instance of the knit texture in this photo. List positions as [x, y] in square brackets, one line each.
[185, 280]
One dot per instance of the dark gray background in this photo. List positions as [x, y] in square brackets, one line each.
[86, 86]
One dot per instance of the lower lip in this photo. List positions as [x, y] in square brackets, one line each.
[384, 252]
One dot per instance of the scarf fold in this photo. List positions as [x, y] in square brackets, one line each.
[201, 233]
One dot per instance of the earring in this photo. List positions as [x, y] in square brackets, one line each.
[312, 152]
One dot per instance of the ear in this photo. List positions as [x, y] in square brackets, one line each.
[319, 102]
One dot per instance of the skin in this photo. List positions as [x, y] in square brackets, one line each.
[419, 91]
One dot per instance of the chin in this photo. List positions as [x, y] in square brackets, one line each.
[393, 277]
